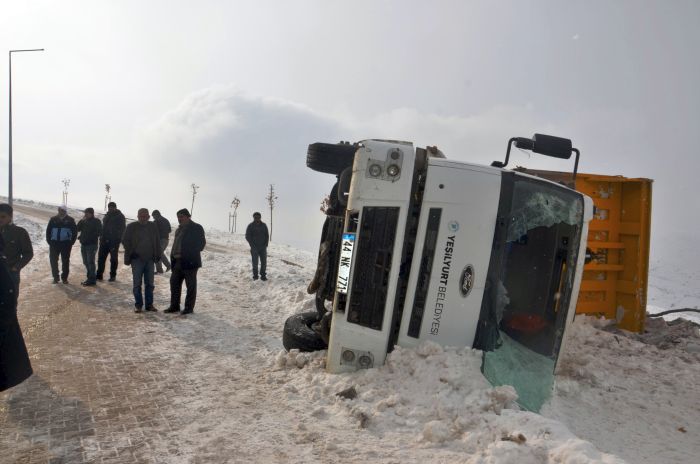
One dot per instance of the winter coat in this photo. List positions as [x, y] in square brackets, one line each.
[113, 225]
[257, 236]
[191, 243]
[15, 366]
[90, 230]
[163, 227]
[141, 241]
[61, 231]
[18, 247]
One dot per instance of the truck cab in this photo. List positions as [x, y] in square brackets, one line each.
[460, 254]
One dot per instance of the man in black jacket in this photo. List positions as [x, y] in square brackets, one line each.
[257, 236]
[113, 225]
[186, 259]
[15, 366]
[61, 233]
[18, 246]
[164, 231]
[141, 251]
[90, 229]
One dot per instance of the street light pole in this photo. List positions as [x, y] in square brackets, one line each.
[9, 171]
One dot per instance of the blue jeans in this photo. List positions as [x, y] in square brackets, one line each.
[89, 252]
[143, 270]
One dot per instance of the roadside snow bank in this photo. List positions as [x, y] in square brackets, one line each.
[439, 397]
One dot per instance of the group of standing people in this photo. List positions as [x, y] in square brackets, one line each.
[144, 243]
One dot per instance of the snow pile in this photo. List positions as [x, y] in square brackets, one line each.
[438, 398]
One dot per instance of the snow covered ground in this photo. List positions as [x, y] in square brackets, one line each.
[617, 399]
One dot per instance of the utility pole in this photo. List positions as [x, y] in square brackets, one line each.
[232, 217]
[66, 183]
[194, 192]
[108, 197]
[271, 197]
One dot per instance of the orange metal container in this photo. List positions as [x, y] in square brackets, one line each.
[614, 283]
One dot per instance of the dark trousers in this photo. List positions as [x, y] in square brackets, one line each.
[111, 249]
[62, 250]
[259, 253]
[88, 253]
[176, 278]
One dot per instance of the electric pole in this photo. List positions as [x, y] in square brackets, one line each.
[232, 217]
[108, 197]
[271, 197]
[66, 183]
[194, 192]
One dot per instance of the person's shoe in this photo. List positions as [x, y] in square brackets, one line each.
[185, 312]
[263, 277]
[255, 277]
[112, 279]
[151, 308]
[87, 283]
[138, 308]
[65, 280]
[55, 280]
[171, 310]
[99, 277]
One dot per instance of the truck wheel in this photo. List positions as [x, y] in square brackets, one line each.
[299, 335]
[329, 157]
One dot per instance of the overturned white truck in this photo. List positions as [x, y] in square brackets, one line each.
[417, 247]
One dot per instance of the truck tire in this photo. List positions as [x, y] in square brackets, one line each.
[330, 158]
[299, 335]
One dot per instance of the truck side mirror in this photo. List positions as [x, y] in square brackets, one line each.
[548, 145]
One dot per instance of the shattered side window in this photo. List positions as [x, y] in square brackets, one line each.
[529, 285]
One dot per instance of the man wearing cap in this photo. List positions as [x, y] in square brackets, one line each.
[186, 259]
[164, 231]
[61, 233]
[18, 247]
[257, 236]
[141, 251]
[90, 230]
[113, 225]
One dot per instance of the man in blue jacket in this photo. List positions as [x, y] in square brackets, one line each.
[185, 259]
[61, 234]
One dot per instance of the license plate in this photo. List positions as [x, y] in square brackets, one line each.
[345, 263]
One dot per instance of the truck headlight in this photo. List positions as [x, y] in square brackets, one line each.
[393, 170]
[375, 170]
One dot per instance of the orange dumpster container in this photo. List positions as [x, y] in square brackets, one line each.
[614, 283]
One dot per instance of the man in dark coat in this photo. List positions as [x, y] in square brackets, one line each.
[186, 260]
[90, 229]
[61, 233]
[18, 247]
[257, 236]
[15, 366]
[141, 251]
[113, 225]
[164, 231]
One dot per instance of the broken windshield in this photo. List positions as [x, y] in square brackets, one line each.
[529, 285]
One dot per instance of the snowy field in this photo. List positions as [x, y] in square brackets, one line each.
[618, 397]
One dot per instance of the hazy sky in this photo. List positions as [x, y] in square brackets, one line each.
[151, 96]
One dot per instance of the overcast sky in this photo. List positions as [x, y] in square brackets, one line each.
[151, 96]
